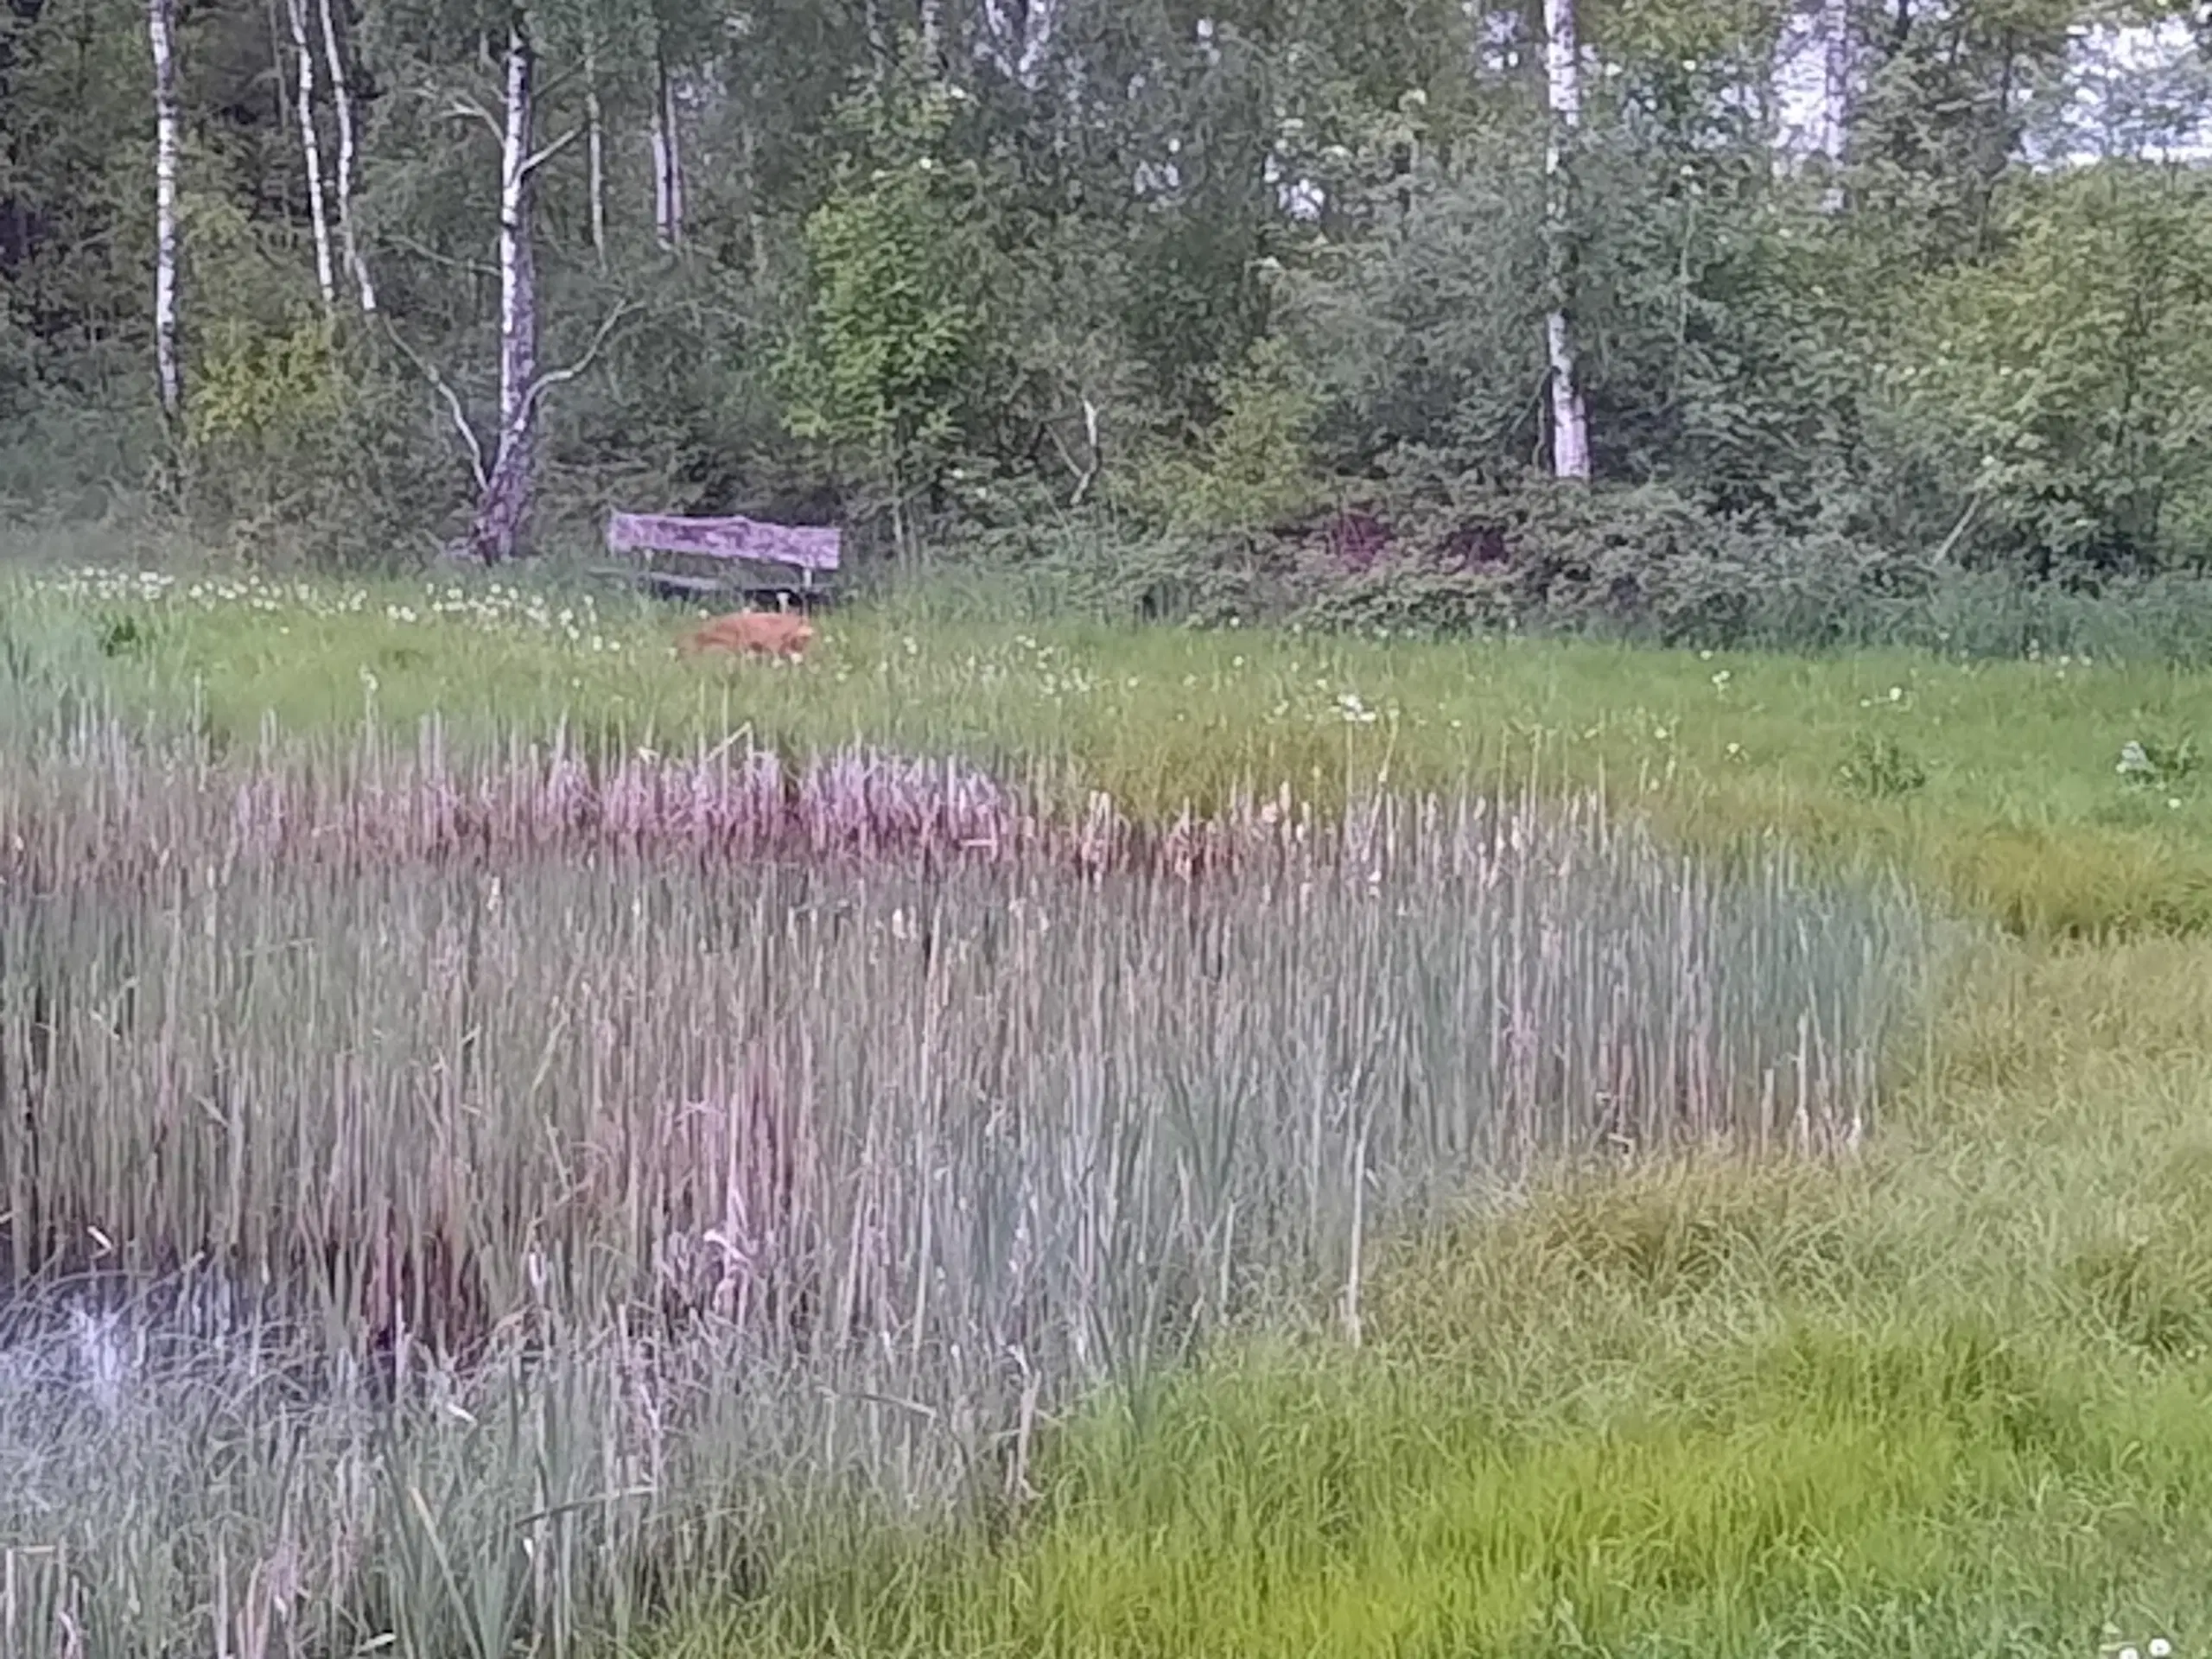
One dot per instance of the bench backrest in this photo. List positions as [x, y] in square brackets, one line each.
[810, 547]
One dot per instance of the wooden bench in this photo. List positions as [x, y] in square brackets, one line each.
[740, 545]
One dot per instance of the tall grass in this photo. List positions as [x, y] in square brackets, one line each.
[1999, 786]
[462, 1199]
[1950, 1397]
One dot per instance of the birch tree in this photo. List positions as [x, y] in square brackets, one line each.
[504, 471]
[667, 140]
[161, 26]
[595, 150]
[295, 13]
[504, 482]
[341, 107]
[1838, 66]
[1563, 88]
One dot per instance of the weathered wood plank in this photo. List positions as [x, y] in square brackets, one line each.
[799, 590]
[809, 547]
[670, 580]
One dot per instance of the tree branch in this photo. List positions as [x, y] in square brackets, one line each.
[452, 403]
[1086, 472]
[546, 382]
[1959, 530]
[455, 262]
[531, 163]
[467, 109]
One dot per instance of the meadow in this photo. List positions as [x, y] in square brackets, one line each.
[1016, 1137]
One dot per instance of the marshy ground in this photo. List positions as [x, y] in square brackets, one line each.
[1081, 1141]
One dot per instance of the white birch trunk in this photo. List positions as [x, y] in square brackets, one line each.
[161, 28]
[1838, 62]
[678, 185]
[295, 12]
[668, 158]
[276, 89]
[517, 302]
[933, 36]
[1563, 87]
[504, 501]
[595, 152]
[756, 229]
[341, 105]
[1018, 35]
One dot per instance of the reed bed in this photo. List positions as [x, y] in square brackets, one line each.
[458, 1202]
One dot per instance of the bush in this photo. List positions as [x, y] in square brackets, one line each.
[304, 453]
[1455, 554]
[1098, 565]
[1431, 552]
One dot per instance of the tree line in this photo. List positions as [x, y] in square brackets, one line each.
[360, 279]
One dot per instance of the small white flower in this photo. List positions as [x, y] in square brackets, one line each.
[2160, 1648]
[1896, 694]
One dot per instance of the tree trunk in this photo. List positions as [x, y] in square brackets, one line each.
[933, 37]
[1563, 86]
[1018, 35]
[282, 111]
[756, 228]
[879, 45]
[668, 157]
[342, 104]
[161, 28]
[295, 13]
[502, 509]
[595, 152]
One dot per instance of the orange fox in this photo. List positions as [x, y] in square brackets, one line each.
[750, 633]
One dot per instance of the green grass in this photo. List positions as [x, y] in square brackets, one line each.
[1995, 783]
[1950, 1395]
[1953, 1399]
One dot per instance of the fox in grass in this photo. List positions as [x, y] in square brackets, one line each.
[752, 633]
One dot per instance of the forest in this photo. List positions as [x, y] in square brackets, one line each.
[1715, 321]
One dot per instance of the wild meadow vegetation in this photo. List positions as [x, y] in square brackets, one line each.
[514, 1141]
[1488, 930]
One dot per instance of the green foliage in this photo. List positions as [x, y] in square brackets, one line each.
[1428, 332]
[2065, 386]
[2158, 763]
[1252, 469]
[304, 451]
[1212, 278]
[894, 340]
[1404, 600]
[251, 387]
